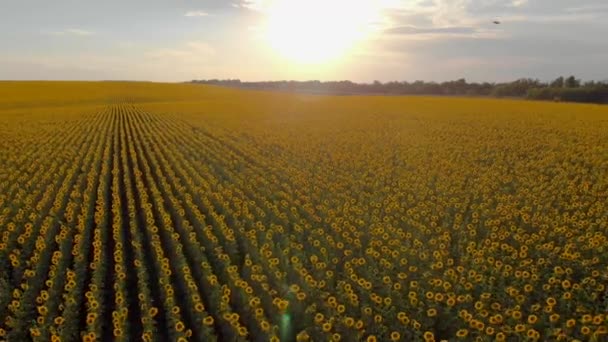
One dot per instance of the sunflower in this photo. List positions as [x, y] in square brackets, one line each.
[303, 336]
[319, 317]
[428, 336]
[282, 305]
[208, 321]
[58, 320]
[586, 319]
[265, 325]
[462, 333]
[179, 326]
[91, 318]
[598, 319]
[533, 334]
[349, 321]
[570, 323]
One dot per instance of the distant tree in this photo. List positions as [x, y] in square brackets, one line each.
[569, 89]
[557, 83]
[587, 95]
[459, 86]
[517, 88]
[572, 82]
[591, 84]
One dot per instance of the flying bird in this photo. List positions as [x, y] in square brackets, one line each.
[496, 22]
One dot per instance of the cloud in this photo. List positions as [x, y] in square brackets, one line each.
[474, 13]
[555, 18]
[189, 54]
[413, 30]
[199, 49]
[62, 66]
[186, 61]
[254, 5]
[589, 8]
[178, 62]
[69, 32]
[425, 39]
[196, 14]
[433, 19]
[519, 3]
[262, 6]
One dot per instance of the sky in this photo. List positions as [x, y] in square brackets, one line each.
[254, 40]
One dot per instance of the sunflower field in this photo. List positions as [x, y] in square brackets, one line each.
[181, 212]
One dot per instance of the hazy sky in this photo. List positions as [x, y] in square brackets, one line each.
[177, 40]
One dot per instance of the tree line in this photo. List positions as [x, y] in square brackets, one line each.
[568, 89]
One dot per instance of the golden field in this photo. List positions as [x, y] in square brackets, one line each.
[175, 212]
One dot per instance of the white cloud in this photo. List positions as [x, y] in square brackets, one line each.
[519, 3]
[188, 52]
[588, 8]
[555, 18]
[196, 14]
[534, 38]
[408, 30]
[69, 32]
[436, 14]
[254, 5]
[431, 17]
[182, 59]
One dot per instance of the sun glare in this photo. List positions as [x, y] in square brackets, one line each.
[318, 31]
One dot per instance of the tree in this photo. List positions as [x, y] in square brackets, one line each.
[558, 82]
[572, 82]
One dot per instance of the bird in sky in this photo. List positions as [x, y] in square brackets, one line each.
[496, 22]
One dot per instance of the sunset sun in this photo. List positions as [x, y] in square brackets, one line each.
[316, 31]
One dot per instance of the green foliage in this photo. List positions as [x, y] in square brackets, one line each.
[598, 94]
[563, 89]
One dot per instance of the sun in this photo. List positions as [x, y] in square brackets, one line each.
[318, 31]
